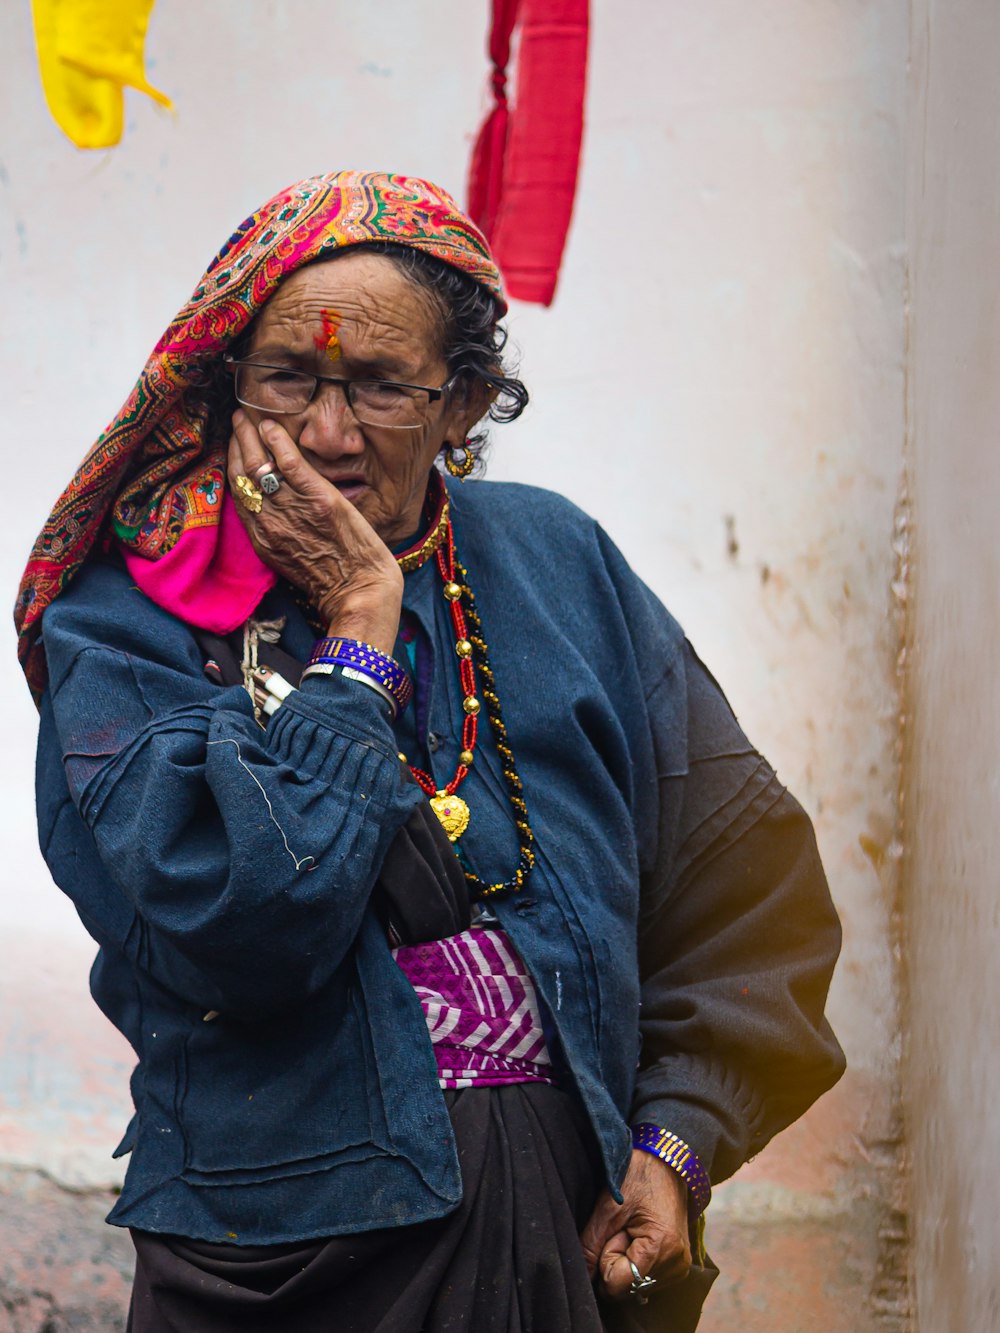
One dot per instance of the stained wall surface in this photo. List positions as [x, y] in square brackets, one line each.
[720, 381]
[952, 883]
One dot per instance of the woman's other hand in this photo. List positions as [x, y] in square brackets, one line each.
[650, 1227]
[312, 535]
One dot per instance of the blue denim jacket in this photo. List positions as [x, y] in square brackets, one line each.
[285, 1085]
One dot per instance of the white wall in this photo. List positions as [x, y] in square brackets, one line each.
[953, 709]
[725, 348]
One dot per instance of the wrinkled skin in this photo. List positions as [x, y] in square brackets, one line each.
[349, 491]
[650, 1227]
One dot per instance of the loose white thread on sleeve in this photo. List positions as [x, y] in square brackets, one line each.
[305, 860]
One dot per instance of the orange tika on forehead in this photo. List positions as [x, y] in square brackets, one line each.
[329, 342]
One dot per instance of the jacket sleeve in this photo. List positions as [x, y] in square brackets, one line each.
[247, 856]
[737, 943]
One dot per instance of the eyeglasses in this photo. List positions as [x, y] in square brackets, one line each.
[278, 389]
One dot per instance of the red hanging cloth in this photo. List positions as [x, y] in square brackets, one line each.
[522, 178]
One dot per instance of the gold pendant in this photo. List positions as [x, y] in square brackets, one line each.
[452, 812]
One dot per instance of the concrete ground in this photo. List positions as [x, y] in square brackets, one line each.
[62, 1270]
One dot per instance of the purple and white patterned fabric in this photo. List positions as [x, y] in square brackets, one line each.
[481, 1009]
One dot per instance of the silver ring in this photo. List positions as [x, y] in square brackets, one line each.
[269, 482]
[640, 1285]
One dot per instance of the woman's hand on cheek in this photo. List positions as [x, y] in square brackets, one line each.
[316, 539]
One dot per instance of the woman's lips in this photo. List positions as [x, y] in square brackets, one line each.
[351, 488]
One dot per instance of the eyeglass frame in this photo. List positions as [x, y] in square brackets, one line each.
[434, 395]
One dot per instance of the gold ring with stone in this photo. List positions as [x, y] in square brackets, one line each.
[248, 495]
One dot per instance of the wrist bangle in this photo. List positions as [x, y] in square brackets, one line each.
[367, 663]
[680, 1158]
[335, 669]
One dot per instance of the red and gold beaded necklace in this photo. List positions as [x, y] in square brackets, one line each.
[473, 660]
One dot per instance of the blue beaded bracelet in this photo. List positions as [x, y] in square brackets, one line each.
[682, 1159]
[366, 660]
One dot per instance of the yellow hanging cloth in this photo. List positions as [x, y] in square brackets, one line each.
[88, 50]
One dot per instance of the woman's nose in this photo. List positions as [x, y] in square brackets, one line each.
[330, 425]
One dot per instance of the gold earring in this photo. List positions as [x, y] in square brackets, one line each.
[459, 460]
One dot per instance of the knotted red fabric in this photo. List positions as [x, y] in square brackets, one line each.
[522, 178]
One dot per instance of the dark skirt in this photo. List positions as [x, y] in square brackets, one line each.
[507, 1260]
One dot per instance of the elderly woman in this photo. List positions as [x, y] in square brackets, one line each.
[462, 937]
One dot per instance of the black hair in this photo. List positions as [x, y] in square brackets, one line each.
[474, 339]
[472, 346]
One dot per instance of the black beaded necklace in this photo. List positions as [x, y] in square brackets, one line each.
[474, 661]
[480, 653]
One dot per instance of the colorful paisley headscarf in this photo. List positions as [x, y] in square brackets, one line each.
[153, 476]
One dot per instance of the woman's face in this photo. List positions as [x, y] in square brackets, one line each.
[359, 317]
